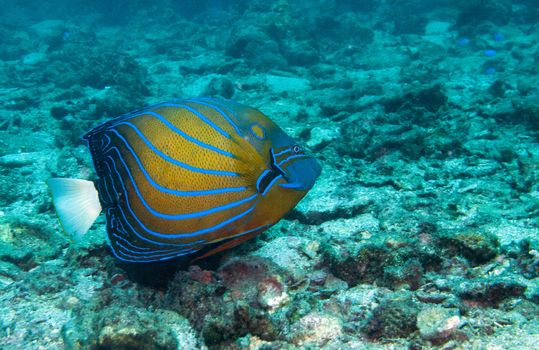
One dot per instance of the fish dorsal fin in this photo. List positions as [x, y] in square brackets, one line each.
[77, 204]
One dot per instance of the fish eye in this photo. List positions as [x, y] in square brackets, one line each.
[296, 149]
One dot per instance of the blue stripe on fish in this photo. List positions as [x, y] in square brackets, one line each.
[282, 152]
[264, 173]
[201, 116]
[184, 135]
[274, 161]
[104, 190]
[151, 254]
[217, 108]
[177, 235]
[290, 158]
[291, 185]
[165, 189]
[121, 238]
[271, 184]
[193, 215]
[175, 161]
[148, 111]
[133, 258]
[112, 215]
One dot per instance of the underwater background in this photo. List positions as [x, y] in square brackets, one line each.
[422, 231]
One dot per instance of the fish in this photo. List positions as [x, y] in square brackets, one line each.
[185, 177]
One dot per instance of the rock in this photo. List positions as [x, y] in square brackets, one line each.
[532, 293]
[9, 273]
[490, 290]
[477, 247]
[272, 292]
[123, 328]
[247, 295]
[437, 28]
[300, 53]
[48, 28]
[338, 201]
[315, 329]
[220, 86]
[200, 85]
[33, 58]
[386, 259]
[437, 323]
[322, 136]
[278, 84]
[286, 253]
[357, 301]
[17, 160]
[256, 47]
[406, 275]
[27, 244]
[362, 226]
[58, 112]
[393, 318]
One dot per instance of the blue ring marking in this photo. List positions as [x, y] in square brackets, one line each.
[118, 237]
[274, 161]
[241, 233]
[175, 256]
[218, 110]
[146, 249]
[131, 258]
[110, 124]
[184, 135]
[198, 214]
[222, 104]
[291, 185]
[133, 230]
[152, 254]
[175, 161]
[165, 189]
[260, 179]
[271, 184]
[286, 150]
[178, 235]
[201, 116]
[292, 157]
[261, 128]
[105, 190]
[173, 247]
[108, 141]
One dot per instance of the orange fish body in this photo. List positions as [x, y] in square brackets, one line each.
[189, 176]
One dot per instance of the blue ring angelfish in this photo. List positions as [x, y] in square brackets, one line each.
[186, 177]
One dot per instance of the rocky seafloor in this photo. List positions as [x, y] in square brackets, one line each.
[421, 233]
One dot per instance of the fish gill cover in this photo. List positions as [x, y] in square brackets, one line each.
[422, 230]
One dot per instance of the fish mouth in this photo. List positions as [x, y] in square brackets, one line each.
[305, 172]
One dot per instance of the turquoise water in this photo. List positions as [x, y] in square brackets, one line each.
[421, 232]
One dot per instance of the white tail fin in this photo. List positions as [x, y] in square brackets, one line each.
[77, 204]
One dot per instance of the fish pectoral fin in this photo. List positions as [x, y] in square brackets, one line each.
[231, 243]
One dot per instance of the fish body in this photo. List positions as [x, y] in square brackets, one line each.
[184, 176]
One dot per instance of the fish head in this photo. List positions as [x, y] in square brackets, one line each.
[298, 168]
